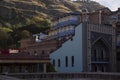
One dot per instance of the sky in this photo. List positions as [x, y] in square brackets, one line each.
[112, 4]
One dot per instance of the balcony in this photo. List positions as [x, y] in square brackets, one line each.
[66, 23]
[51, 37]
[66, 33]
[100, 60]
[61, 34]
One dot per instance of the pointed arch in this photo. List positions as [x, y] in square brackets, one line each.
[103, 40]
[100, 53]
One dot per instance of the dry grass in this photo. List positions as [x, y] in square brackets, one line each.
[60, 7]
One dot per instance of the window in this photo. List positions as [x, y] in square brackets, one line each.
[94, 57]
[118, 17]
[53, 62]
[72, 61]
[102, 69]
[51, 50]
[66, 61]
[59, 63]
[102, 54]
[95, 69]
[71, 39]
[43, 51]
[35, 52]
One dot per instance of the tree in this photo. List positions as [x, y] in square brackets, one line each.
[10, 40]
[3, 38]
[7, 30]
[37, 27]
[50, 68]
[25, 34]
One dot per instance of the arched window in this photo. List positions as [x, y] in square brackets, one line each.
[96, 68]
[102, 69]
[66, 61]
[94, 55]
[59, 63]
[35, 51]
[53, 62]
[102, 54]
[72, 61]
[43, 52]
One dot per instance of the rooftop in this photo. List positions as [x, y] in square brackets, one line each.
[23, 56]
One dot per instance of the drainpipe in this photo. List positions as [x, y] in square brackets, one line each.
[100, 16]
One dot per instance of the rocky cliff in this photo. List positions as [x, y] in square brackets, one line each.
[20, 11]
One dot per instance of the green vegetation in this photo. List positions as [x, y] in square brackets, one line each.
[21, 18]
[50, 68]
[7, 30]
[11, 35]
[36, 25]
[3, 38]
[25, 34]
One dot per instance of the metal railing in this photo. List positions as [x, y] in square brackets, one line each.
[99, 59]
[65, 76]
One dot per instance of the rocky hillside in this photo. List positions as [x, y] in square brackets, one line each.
[21, 18]
[14, 12]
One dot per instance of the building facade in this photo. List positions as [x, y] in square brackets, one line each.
[64, 26]
[80, 42]
[23, 63]
[115, 17]
[38, 48]
[91, 48]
